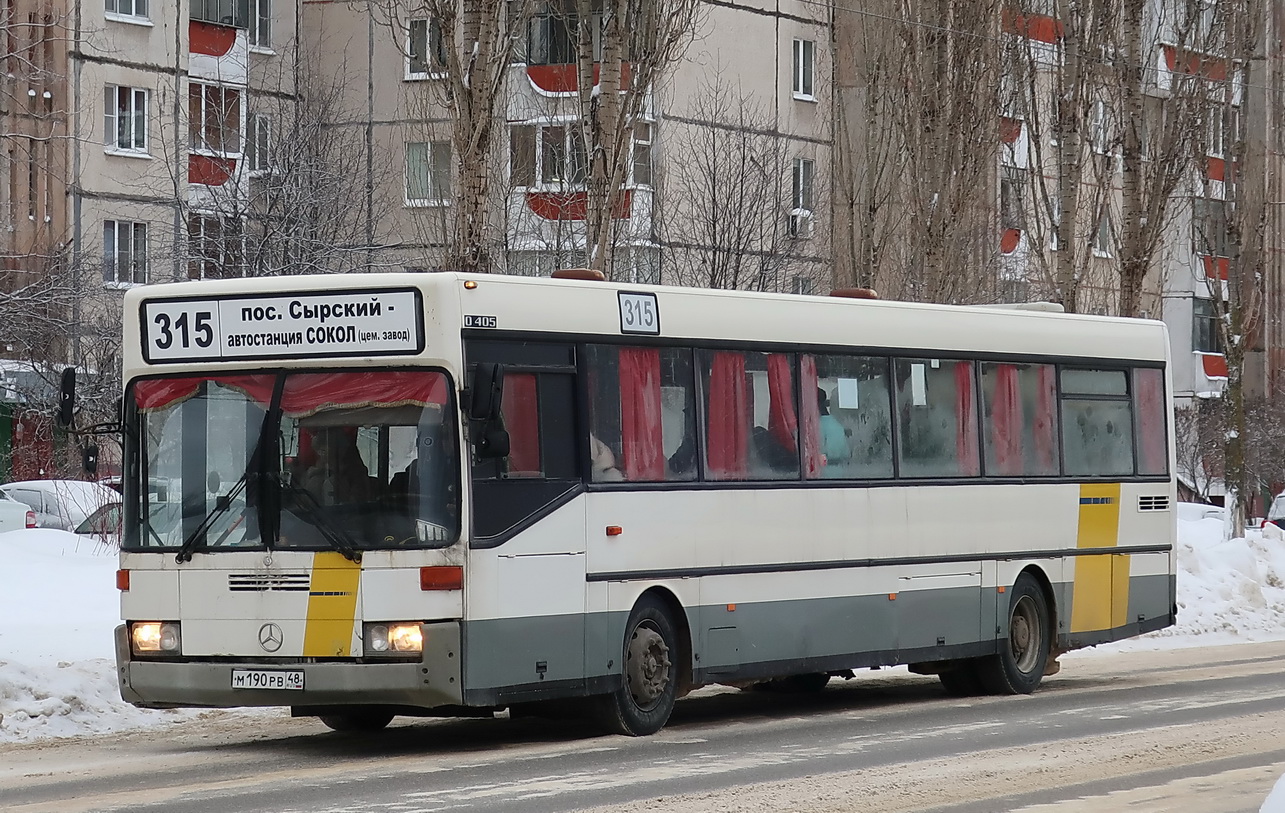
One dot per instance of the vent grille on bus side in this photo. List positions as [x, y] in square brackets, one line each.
[260, 583]
[1153, 503]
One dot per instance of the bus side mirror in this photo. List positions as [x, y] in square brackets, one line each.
[494, 441]
[89, 459]
[66, 399]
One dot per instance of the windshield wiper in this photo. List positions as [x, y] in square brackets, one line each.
[254, 464]
[312, 512]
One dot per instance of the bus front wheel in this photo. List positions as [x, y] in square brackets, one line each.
[1019, 665]
[649, 685]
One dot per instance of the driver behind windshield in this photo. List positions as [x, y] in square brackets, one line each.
[331, 467]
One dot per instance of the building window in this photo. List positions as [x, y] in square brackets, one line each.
[549, 156]
[1102, 235]
[1100, 127]
[124, 252]
[425, 51]
[642, 153]
[127, 8]
[214, 119]
[428, 173]
[1222, 124]
[800, 222]
[235, 13]
[1209, 227]
[125, 119]
[801, 285]
[1012, 199]
[258, 144]
[552, 37]
[261, 24]
[215, 247]
[1205, 335]
[804, 64]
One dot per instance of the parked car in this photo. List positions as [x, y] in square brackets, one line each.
[104, 524]
[1276, 514]
[14, 516]
[61, 504]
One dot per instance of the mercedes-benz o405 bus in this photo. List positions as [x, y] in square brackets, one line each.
[435, 494]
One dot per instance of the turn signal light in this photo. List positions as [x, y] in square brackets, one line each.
[441, 577]
[122, 580]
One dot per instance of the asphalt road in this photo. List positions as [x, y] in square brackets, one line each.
[1184, 730]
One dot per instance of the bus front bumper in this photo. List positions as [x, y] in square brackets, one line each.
[434, 681]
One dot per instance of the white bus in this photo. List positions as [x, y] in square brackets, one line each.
[441, 494]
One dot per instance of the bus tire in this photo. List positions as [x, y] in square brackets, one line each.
[649, 675]
[358, 720]
[1019, 665]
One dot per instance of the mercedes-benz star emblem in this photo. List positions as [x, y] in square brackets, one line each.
[270, 637]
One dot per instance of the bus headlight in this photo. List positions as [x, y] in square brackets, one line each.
[393, 639]
[152, 637]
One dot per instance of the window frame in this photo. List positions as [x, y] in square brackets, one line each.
[138, 137]
[432, 174]
[433, 50]
[199, 137]
[803, 86]
[136, 231]
[258, 145]
[802, 197]
[139, 11]
[222, 258]
[259, 30]
[1205, 322]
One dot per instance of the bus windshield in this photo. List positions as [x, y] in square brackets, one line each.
[317, 460]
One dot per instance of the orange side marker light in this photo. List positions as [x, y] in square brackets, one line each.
[614, 530]
[122, 580]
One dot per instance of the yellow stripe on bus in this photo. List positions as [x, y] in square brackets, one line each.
[1100, 596]
[332, 606]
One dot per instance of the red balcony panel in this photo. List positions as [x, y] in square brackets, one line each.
[1215, 267]
[1009, 240]
[210, 39]
[572, 205]
[1215, 365]
[1036, 27]
[1192, 63]
[562, 78]
[1009, 129]
[208, 170]
[1215, 169]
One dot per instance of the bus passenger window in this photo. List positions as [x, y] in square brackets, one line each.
[1097, 424]
[751, 417]
[854, 416]
[641, 414]
[1018, 419]
[1149, 413]
[936, 418]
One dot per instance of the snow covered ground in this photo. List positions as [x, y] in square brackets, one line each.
[59, 606]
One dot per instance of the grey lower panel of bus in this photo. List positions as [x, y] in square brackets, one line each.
[510, 660]
[498, 662]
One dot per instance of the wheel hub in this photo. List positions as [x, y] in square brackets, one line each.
[647, 670]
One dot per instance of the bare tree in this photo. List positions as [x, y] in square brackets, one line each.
[728, 225]
[287, 207]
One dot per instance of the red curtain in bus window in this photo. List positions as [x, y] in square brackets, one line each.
[728, 437]
[641, 436]
[1042, 422]
[1006, 421]
[782, 420]
[307, 393]
[1149, 388]
[965, 420]
[521, 411]
[813, 459]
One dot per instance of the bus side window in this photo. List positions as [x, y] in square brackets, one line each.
[854, 416]
[1019, 422]
[751, 417]
[1149, 413]
[936, 418]
[642, 422]
[1097, 424]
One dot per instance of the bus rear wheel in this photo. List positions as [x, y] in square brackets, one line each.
[1019, 665]
[649, 685]
[357, 720]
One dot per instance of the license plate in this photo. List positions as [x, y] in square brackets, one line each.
[267, 679]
